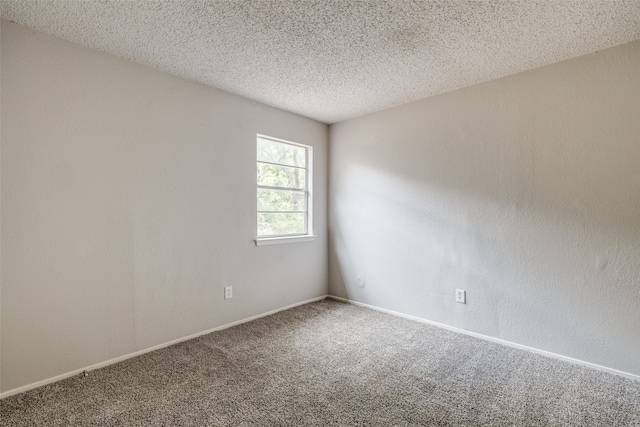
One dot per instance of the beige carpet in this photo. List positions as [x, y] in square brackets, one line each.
[331, 363]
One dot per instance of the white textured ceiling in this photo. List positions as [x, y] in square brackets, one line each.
[335, 60]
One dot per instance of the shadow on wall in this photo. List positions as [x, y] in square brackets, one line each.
[535, 271]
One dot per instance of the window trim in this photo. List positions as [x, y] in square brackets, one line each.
[266, 241]
[274, 239]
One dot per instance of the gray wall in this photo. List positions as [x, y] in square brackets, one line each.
[128, 202]
[524, 191]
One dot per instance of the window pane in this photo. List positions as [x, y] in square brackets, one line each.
[281, 200]
[279, 152]
[280, 223]
[280, 176]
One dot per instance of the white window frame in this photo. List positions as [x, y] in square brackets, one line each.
[290, 238]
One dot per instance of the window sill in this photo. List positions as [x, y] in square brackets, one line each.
[281, 240]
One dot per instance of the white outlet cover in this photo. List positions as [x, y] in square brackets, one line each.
[228, 292]
[461, 296]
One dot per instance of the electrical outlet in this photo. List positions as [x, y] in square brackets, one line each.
[228, 292]
[461, 296]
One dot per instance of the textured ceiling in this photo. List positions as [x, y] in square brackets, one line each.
[335, 60]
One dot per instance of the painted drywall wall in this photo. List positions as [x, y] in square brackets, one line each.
[0, 206]
[524, 191]
[128, 203]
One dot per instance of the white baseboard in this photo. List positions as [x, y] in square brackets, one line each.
[147, 350]
[497, 340]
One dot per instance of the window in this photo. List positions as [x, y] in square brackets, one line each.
[284, 191]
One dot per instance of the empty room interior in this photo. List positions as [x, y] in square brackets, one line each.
[320, 212]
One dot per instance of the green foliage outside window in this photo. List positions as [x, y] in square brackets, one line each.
[282, 195]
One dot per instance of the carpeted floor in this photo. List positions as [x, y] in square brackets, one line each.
[331, 363]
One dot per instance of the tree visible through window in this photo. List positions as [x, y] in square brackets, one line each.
[283, 188]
